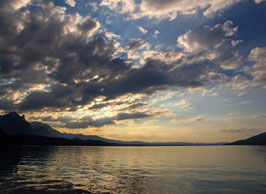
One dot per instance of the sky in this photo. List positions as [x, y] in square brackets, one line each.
[146, 70]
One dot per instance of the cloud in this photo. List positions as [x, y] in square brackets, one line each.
[135, 106]
[12, 5]
[85, 122]
[155, 34]
[134, 44]
[93, 4]
[123, 6]
[61, 119]
[144, 31]
[259, 1]
[168, 9]
[246, 118]
[212, 43]
[188, 121]
[184, 104]
[168, 95]
[50, 47]
[6, 105]
[258, 70]
[153, 76]
[260, 116]
[111, 35]
[89, 123]
[239, 130]
[239, 82]
[246, 102]
[99, 106]
[59, 97]
[71, 3]
[61, 61]
[126, 105]
[126, 116]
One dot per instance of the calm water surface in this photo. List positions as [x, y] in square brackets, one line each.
[195, 169]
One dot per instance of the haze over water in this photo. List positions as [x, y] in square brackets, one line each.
[192, 169]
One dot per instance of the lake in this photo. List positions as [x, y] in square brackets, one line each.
[177, 169]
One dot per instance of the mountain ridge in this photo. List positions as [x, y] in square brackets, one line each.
[259, 139]
[54, 133]
[14, 124]
[10, 122]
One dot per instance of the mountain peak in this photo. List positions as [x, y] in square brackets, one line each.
[15, 115]
[12, 123]
[23, 117]
[12, 114]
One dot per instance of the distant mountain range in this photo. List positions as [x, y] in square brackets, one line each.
[17, 130]
[46, 130]
[14, 124]
[22, 139]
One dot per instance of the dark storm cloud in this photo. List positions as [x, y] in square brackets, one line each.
[62, 119]
[86, 122]
[48, 118]
[45, 46]
[59, 97]
[73, 123]
[152, 77]
[136, 105]
[126, 116]
[89, 123]
[6, 105]
[156, 75]
[99, 106]
[130, 105]
[102, 105]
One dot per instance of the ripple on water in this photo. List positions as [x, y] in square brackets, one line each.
[215, 169]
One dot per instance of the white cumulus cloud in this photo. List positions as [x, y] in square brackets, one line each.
[71, 3]
[168, 8]
[144, 31]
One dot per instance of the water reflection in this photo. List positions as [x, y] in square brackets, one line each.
[219, 169]
[66, 169]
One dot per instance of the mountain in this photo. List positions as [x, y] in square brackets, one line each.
[259, 139]
[13, 124]
[48, 131]
[90, 137]
[21, 139]
[45, 130]
[20, 131]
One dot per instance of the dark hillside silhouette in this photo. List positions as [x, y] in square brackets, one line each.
[14, 124]
[254, 140]
[17, 130]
